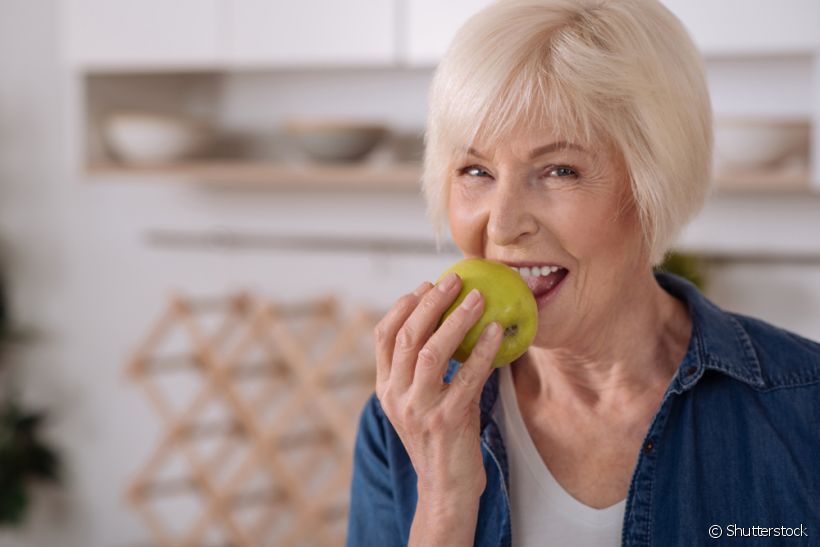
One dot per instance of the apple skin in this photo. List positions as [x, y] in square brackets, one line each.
[507, 299]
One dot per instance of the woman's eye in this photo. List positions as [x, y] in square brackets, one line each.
[563, 171]
[471, 170]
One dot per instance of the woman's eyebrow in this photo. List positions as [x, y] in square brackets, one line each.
[541, 150]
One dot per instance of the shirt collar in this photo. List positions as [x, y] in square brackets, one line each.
[718, 342]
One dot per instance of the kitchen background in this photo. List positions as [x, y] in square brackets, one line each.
[105, 226]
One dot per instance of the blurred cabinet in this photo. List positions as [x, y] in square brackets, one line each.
[274, 33]
[149, 33]
[123, 34]
[431, 24]
[751, 27]
[311, 32]
[723, 27]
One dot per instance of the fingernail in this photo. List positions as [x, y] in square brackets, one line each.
[491, 330]
[472, 299]
[448, 282]
[420, 289]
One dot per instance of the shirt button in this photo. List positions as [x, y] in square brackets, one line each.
[690, 371]
[648, 446]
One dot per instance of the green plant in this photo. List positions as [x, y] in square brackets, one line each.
[24, 457]
[687, 265]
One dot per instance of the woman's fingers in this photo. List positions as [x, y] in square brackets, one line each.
[384, 334]
[470, 378]
[418, 328]
[435, 355]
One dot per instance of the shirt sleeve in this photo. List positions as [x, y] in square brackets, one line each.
[372, 517]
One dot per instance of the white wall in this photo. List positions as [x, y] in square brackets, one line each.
[81, 272]
[786, 294]
[34, 217]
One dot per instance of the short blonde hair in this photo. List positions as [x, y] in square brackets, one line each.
[621, 70]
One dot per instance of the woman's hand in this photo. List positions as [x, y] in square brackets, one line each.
[438, 423]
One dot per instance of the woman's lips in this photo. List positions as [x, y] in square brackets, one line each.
[540, 285]
[544, 298]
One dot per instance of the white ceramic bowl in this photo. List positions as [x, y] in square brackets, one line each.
[335, 140]
[758, 142]
[142, 138]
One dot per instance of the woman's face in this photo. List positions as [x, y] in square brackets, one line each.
[567, 206]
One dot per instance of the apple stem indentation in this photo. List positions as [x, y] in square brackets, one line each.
[512, 330]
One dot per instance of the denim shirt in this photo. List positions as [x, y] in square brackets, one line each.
[732, 455]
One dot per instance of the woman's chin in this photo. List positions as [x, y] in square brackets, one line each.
[553, 320]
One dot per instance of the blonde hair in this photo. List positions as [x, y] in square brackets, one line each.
[621, 70]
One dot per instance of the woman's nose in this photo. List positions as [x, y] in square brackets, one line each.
[510, 218]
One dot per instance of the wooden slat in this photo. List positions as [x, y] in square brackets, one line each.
[309, 383]
[255, 173]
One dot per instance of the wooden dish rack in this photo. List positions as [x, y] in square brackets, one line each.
[289, 382]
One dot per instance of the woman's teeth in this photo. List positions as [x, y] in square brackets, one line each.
[537, 271]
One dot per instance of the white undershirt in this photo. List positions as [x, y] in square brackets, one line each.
[543, 513]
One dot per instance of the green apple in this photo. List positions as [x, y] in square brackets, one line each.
[507, 299]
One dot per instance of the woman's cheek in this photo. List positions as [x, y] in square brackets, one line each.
[465, 214]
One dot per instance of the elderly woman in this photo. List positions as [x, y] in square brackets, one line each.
[572, 139]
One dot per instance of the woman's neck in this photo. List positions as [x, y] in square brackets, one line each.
[617, 366]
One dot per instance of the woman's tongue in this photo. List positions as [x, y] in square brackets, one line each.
[541, 284]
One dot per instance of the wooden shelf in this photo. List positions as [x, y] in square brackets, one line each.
[399, 176]
[785, 181]
[177, 239]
